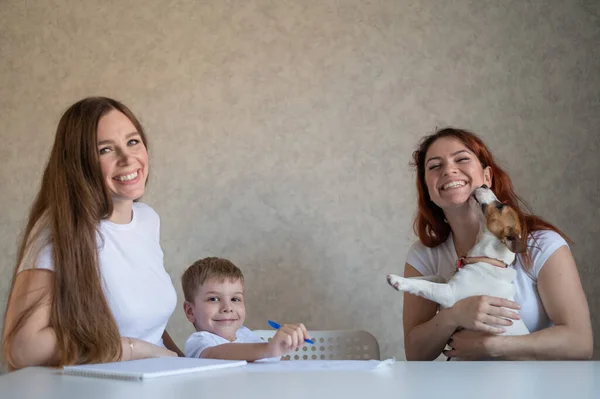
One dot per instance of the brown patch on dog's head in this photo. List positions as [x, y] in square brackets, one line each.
[503, 222]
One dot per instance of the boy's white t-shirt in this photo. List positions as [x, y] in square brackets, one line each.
[201, 340]
[441, 261]
[138, 290]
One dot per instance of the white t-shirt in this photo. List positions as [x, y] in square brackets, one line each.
[201, 340]
[138, 290]
[441, 261]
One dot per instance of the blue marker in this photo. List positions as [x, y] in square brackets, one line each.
[277, 327]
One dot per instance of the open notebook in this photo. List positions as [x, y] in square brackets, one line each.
[150, 368]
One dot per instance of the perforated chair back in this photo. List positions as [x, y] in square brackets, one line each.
[333, 345]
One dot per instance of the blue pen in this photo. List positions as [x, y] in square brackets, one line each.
[277, 327]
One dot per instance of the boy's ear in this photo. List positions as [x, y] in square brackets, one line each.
[188, 308]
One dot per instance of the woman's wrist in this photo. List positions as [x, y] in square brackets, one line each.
[495, 345]
[130, 344]
[127, 347]
[512, 347]
[446, 317]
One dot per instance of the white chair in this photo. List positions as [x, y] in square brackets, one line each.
[333, 345]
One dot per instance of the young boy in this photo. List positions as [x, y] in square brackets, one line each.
[214, 304]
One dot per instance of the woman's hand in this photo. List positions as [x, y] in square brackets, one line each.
[171, 345]
[137, 349]
[484, 313]
[474, 345]
[164, 352]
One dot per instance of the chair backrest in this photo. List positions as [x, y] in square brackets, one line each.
[333, 345]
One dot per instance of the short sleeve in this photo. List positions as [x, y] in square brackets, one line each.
[43, 261]
[419, 257]
[198, 342]
[246, 336]
[542, 245]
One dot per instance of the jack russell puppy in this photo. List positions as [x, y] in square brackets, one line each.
[498, 238]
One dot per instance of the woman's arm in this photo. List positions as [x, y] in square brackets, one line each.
[426, 333]
[171, 345]
[34, 342]
[565, 303]
[134, 349]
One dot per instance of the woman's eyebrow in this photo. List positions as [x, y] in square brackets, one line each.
[440, 158]
[128, 136]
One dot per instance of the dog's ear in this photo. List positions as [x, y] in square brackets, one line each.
[514, 243]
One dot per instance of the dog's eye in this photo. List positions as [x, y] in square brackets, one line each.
[499, 206]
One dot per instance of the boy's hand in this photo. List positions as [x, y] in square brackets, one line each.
[287, 339]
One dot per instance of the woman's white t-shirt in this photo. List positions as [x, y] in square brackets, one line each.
[138, 290]
[441, 261]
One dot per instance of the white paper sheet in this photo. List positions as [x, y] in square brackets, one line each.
[317, 365]
[150, 368]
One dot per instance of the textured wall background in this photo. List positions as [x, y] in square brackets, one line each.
[281, 131]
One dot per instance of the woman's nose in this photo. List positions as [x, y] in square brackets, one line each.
[448, 169]
[124, 157]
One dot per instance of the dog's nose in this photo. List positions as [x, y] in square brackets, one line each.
[484, 186]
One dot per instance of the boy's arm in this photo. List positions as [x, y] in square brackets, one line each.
[287, 339]
[237, 351]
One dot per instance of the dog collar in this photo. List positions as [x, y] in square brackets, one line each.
[462, 262]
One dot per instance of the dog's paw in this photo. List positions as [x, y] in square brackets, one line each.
[394, 281]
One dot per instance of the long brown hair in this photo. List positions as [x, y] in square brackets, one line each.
[65, 214]
[429, 222]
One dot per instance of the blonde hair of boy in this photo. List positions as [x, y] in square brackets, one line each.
[208, 269]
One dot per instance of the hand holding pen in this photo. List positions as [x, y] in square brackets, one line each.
[288, 338]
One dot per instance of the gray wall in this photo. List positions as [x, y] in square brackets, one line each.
[281, 131]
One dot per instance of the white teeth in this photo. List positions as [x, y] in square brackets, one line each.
[128, 177]
[454, 184]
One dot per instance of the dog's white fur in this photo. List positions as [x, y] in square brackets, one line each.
[472, 279]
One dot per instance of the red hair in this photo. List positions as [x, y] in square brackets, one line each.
[429, 222]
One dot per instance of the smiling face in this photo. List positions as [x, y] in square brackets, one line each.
[123, 158]
[218, 308]
[452, 172]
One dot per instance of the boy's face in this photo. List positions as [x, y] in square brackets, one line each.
[218, 308]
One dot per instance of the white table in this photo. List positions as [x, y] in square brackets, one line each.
[444, 380]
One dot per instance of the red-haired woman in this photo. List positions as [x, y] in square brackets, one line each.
[89, 285]
[549, 297]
